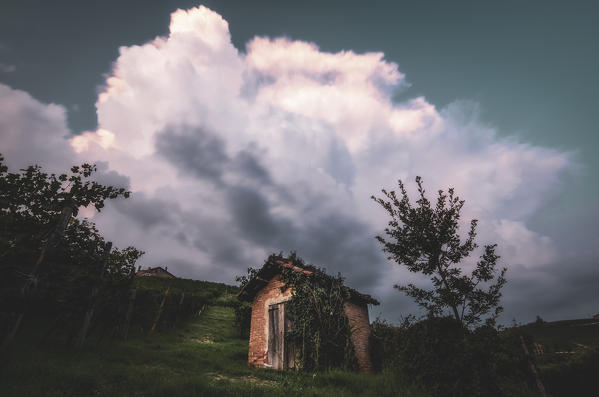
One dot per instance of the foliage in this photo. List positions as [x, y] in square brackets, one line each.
[31, 199]
[571, 374]
[321, 331]
[425, 239]
[243, 317]
[450, 359]
[386, 343]
[244, 279]
[76, 274]
[78, 267]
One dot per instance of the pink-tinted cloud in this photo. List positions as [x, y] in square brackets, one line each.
[233, 155]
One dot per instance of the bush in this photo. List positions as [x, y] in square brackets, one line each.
[243, 318]
[385, 345]
[450, 360]
[574, 375]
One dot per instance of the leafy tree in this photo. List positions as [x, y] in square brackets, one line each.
[31, 201]
[425, 239]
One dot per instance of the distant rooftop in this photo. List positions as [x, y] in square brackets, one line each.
[157, 271]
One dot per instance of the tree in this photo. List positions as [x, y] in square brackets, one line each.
[31, 203]
[426, 240]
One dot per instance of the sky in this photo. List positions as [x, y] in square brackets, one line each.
[249, 128]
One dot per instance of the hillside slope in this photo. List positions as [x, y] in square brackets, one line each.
[202, 357]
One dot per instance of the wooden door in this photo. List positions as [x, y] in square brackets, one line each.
[281, 354]
[276, 336]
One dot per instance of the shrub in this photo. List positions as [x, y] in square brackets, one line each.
[574, 375]
[450, 360]
[385, 345]
[243, 318]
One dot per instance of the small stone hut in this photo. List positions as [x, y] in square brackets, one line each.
[269, 323]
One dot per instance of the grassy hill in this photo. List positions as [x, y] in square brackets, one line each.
[205, 356]
[201, 357]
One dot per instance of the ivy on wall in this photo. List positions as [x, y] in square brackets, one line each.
[320, 331]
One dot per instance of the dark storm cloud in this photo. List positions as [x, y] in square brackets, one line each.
[248, 165]
[148, 212]
[253, 217]
[202, 153]
[193, 151]
[328, 238]
[343, 244]
[557, 291]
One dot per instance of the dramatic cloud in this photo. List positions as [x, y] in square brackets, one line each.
[233, 155]
[33, 132]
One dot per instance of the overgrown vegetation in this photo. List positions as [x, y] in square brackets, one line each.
[321, 331]
[448, 359]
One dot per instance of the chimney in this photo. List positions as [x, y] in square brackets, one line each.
[139, 268]
[166, 268]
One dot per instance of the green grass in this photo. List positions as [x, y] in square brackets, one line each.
[203, 357]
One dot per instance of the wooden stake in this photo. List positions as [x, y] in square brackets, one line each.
[179, 308]
[87, 318]
[533, 368]
[159, 311]
[125, 329]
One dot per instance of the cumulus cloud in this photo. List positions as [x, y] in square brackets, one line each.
[232, 155]
[33, 132]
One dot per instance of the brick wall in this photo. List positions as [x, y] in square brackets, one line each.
[268, 295]
[360, 326]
